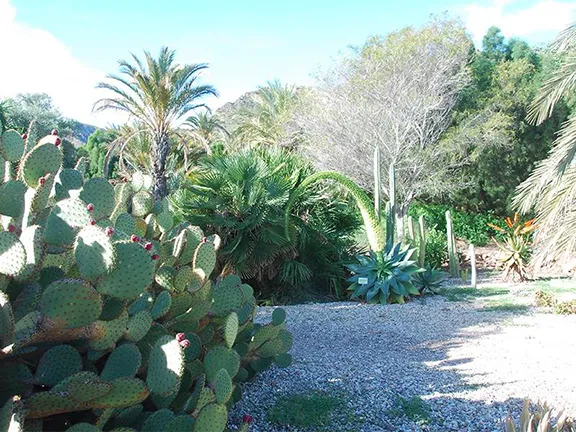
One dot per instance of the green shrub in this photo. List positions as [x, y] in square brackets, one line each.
[545, 299]
[108, 314]
[242, 196]
[436, 248]
[566, 307]
[467, 226]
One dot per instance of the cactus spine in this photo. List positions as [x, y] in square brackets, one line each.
[452, 253]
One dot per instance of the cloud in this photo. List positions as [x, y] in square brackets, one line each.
[538, 22]
[34, 61]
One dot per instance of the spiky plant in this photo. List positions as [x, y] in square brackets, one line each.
[516, 248]
[429, 281]
[540, 420]
[386, 276]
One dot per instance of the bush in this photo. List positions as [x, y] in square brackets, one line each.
[566, 307]
[467, 226]
[436, 248]
[241, 196]
[101, 326]
[544, 299]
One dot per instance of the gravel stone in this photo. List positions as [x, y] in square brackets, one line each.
[471, 367]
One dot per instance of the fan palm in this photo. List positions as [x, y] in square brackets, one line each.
[551, 188]
[157, 93]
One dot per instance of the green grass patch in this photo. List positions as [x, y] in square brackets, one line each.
[416, 409]
[315, 409]
[505, 305]
[468, 294]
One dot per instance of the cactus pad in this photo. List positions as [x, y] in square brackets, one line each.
[161, 305]
[41, 160]
[222, 385]
[124, 361]
[70, 303]
[230, 329]
[194, 350]
[194, 236]
[183, 278]
[139, 325]
[158, 421]
[111, 332]
[6, 321]
[65, 220]
[212, 418]
[12, 254]
[83, 427]
[100, 193]
[125, 392]
[228, 296]
[143, 302]
[87, 389]
[283, 360]
[165, 277]
[57, 363]
[11, 145]
[218, 358]
[278, 316]
[165, 366]
[68, 184]
[205, 258]
[125, 223]
[142, 203]
[165, 221]
[51, 402]
[94, 252]
[133, 272]
[12, 198]
[129, 415]
[181, 423]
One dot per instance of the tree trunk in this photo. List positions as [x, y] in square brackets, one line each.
[158, 154]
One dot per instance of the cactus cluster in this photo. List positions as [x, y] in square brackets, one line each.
[109, 318]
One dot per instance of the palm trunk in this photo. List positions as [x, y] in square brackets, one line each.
[158, 154]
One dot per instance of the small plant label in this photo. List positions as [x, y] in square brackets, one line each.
[362, 281]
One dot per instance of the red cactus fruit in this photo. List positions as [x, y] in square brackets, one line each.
[42, 180]
[11, 228]
[180, 337]
[90, 207]
[134, 238]
[54, 132]
[109, 231]
[204, 239]
[24, 136]
[148, 246]
[155, 257]
[92, 222]
[184, 343]
[247, 418]
[57, 142]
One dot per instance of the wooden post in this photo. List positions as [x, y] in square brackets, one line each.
[472, 255]
[452, 252]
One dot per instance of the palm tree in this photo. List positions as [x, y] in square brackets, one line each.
[551, 188]
[266, 122]
[157, 93]
[205, 128]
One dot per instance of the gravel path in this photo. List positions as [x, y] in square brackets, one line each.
[470, 367]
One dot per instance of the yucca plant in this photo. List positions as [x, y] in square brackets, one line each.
[540, 420]
[386, 276]
[429, 280]
[516, 249]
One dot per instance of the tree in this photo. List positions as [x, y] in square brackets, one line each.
[551, 188]
[24, 108]
[206, 128]
[397, 93]
[157, 94]
[96, 149]
[268, 119]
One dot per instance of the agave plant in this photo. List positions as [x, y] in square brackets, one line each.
[540, 420]
[429, 280]
[386, 276]
[516, 248]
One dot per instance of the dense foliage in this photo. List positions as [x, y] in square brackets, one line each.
[241, 196]
[109, 315]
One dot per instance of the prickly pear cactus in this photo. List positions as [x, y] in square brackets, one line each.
[110, 316]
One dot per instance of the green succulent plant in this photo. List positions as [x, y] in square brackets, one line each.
[429, 280]
[540, 420]
[109, 316]
[384, 277]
